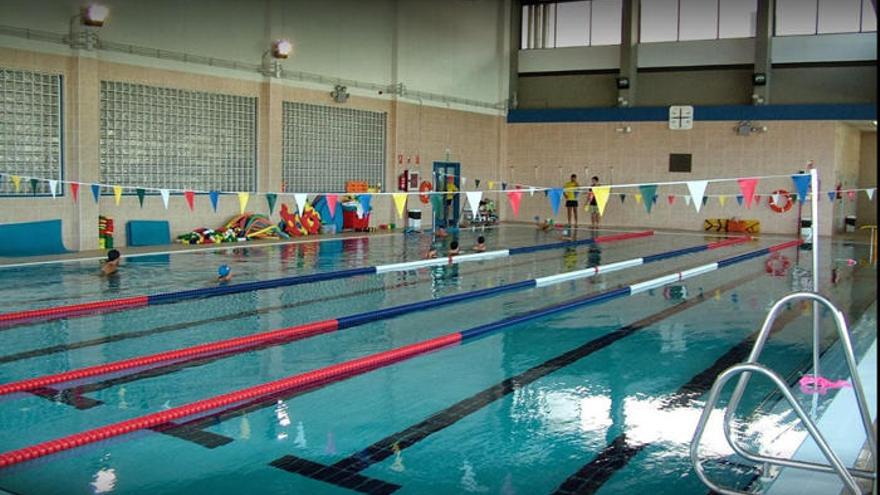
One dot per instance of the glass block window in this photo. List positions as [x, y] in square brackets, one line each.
[30, 129]
[324, 147]
[177, 139]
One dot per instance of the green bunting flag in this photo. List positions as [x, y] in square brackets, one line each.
[270, 198]
[140, 194]
[34, 183]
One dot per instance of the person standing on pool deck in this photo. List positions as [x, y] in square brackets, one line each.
[450, 197]
[594, 206]
[571, 204]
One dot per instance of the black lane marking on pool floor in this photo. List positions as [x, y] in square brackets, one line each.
[344, 479]
[45, 351]
[340, 472]
[590, 478]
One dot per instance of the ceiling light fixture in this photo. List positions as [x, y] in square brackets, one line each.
[94, 14]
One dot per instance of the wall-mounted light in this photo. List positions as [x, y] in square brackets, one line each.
[622, 82]
[339, 93]
[93, 15]
[623, 129]
[282, 48]
[757, 99]
[622, 102]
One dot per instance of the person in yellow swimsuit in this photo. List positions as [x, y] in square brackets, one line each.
[569, 189]
[450, 194]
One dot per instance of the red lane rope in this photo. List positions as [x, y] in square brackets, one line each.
[785, 245]
[95, 306]
[728, 242]
[620, 237]
[284, 334]
[301, 381]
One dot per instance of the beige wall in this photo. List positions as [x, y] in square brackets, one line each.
[866, 210]
[846, 158]
[557, 150]
[475, 139]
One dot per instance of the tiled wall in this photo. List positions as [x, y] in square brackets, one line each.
[549, 153]
[475, 139]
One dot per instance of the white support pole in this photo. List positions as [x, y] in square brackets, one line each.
[814, 205]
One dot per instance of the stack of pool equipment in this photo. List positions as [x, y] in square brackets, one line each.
[105, 232]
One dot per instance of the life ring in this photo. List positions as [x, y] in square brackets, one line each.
[777, 265]
[424, 188]
[787, 204]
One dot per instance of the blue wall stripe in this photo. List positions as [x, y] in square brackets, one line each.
[857, 111]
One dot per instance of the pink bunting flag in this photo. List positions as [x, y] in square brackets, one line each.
[851, 194]
[331, 204]
[515, 197]
[190, 198]
[670, 199]
[747, 187]
[74, 190]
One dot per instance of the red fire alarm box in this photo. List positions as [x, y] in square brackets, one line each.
[403, 181]
[413, 181]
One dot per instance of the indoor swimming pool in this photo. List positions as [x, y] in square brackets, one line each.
[591, 385]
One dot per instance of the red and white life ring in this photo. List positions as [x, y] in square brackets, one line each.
[785, 200]
[777, 265]
[425, 187]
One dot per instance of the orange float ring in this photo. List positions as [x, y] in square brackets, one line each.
[777, 265]
[786, 205]
[425, 187]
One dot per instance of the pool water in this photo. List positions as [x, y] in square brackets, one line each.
[602, 399]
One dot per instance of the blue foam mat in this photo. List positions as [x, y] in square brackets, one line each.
[31, 238]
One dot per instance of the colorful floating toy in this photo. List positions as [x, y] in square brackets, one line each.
[811, 384]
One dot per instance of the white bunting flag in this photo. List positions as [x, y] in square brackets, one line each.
[474, 198]
[870, 193]
[165, 195]
[531, 191]
[775, 197]
[300, 200]
[53, 187]
[697, 189]
[687, 200]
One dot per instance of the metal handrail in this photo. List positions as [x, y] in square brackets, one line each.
[751, 365]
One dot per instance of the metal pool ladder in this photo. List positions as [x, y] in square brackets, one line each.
[751, 365]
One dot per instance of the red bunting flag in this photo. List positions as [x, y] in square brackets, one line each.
[515, 197]
[190, 198]
[74, 190]
[670, 199]
[747, 187]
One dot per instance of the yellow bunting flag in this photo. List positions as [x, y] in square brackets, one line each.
[242, 201]
[638, 198]
[117, 194]
[400, 203]
[491, 185]
[601, 194]
[16, 180]
[722, 199]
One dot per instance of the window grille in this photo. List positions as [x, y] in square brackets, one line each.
[177, 139]
[30, 129]
[324, 147]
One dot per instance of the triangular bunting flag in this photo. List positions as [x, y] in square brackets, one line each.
[436, 202]
[705, 200]
[331, 204]
[531, 191]
[117, 194]
[53, 187]
[491, 185]
[655, 199]
[215, 197]
[687, 200]
[546, 192]
[757, 199]
[774, 198]
[601, 193]
[801, 184]
[165, 195]
[243, 201]
[364, 200]
[399, 203]
[271, 198]
[474, 198]
[794, 197]
[739, 199]
[300, 200]
[34, 183]
[16, 181]
[649, 194]
[504, 186]
[514, 197]
[851, 194]
[463, 182]
[140, 194]
[555, 196]
[476, 182]
[74, 191]
[638, 198]
[722, 199]
[747, 187]
[190, 199]
[870, 193]
[622, 197]
[831, 195]
[697, 188]
[670, 199]
[96, 191]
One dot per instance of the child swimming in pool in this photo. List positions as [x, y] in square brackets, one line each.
[480, 246]
[453, 249]
[112, 264]
[224, 274]
[432, 252]
[544, 226]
